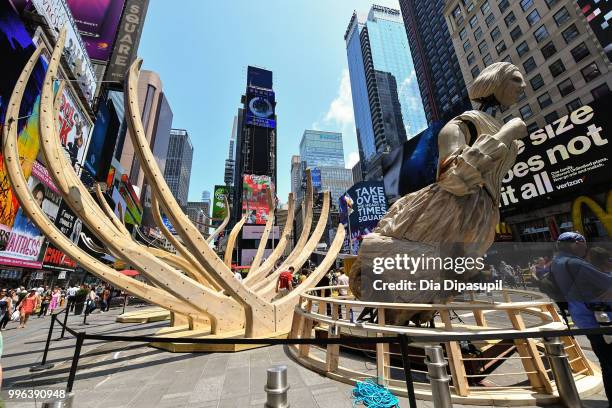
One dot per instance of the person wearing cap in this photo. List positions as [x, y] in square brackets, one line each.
[27, 306]
[586, 290]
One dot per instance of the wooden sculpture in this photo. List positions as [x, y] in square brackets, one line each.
[456, 216]
[195, 284]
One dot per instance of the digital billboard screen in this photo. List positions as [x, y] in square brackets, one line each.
[260, 108]
[255, 198]
[97, 21]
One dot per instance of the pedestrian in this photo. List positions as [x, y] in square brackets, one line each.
[91, 300]
[6, 308]
[284, 285]
[45, 299]
[238, 275]
[27, 306]
[105, 300]
[343, 280]
[55, 299]
[588, 293]
[71, 297]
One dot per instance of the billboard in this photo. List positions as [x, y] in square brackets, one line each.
[25, 242]
[247, 255]
[74, 129]
[361, 207]
[97, 21]
[260, 108]
[57, 15]
[16, 47]
[256, 231]
[255, 198]
[413, 165]
[68, 223]
[218, 206]
[315, 175]
[567, 157]
[598, 14]
[127, 40]
[55, 259]
[102, 144]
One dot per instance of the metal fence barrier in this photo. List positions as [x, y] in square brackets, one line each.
[434, 356]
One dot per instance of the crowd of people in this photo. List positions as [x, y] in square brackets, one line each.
[19, 304]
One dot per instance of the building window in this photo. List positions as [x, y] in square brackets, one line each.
[478, 34]
[487, 60]
[600, 91]
[551, 3]
[526, 111]
[470, 5]
[473, 21]
[580, 52]
[557, 68]
[485, 8]
[544, 100]
[532, 127]
[507, 119]
[548, 50]
[471, 58]
[573, 105]
[509, 19]
[490, 20]
[503, 5]
[570, 33]
[495, 34]
[500, 47]
[463, 33]
[590, 72]
[467, 45]
[541, 33]
[522, 49]
[536, 82]
[533, 17]
[561, 16]
[521, 96]
[525, 4]
[516, 33]
[529, 65]
[483, 47]
[551, 117]
[566, 87]
[475, 71]
[507, 58]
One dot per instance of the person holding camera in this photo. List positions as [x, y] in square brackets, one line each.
[588, 293]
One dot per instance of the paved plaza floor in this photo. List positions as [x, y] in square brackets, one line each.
[122, 374]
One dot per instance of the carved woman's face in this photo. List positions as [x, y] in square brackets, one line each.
[508, 92]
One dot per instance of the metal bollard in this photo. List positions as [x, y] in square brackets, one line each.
[438, 377]
[62, 403]
[276, 387]
[562, 372]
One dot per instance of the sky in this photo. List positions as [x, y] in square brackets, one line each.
[201, 51]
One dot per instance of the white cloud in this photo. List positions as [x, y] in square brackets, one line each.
[353, 158]
[340, 113]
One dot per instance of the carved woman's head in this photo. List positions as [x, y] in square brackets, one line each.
[501, 80]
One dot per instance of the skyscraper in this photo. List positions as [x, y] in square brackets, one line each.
[438, 72]
[296, 175]
[198, 212]
[386, 99]
[230, 163]
[178, 164]
[323, 153]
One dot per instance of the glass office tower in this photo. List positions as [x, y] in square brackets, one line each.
[319, 148]
[386, 98]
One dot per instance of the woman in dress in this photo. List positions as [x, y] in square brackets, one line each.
[455, 216]
[27, 306]
[55, 298]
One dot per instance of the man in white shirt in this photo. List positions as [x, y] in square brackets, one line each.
[343, 280]
[71, 297]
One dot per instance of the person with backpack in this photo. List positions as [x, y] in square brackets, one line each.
[284, 285]
[588, 293]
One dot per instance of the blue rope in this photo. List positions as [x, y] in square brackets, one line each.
[372, 395]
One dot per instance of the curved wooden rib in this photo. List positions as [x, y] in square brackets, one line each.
[268, 290]
[227, 313]
[261, 249]
[286, 304]
[259, 314]
[231, 241]
[221, 228]
[110, 214]
[307, 221]
[268, 265]
[34, 212]
[200, 274]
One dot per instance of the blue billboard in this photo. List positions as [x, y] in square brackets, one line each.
[260, 108]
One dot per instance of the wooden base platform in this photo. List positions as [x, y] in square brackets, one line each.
[183, 331]
[148, 315]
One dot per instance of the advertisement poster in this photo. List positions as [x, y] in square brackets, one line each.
[97, 21]
[315, 175]
[25, 242]
[55, 259]
[16, 47]
[74, 129]
[413, 165]
[68, 223]
[255, 198]
[103, 137]
[256, 232]
[249, 254]
[569, 156]
[260, 108]
[363, 205]
[218, 206]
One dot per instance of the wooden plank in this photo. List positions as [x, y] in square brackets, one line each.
[382, 352]
[453, 352]
[332, 355]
